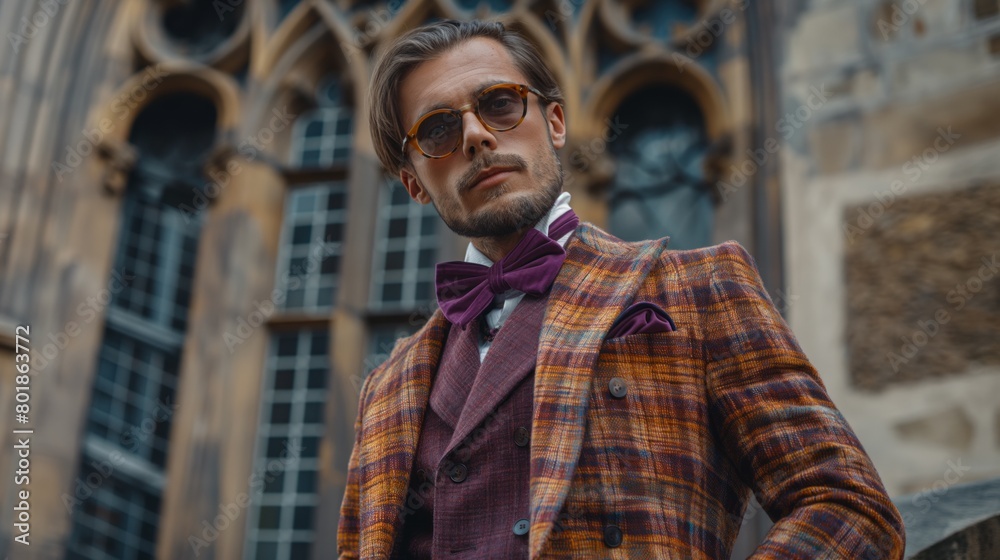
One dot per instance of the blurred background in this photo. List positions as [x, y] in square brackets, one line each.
[210, 259]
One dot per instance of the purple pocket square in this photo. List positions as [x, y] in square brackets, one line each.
[641, 317]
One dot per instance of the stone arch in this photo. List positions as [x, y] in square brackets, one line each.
[651, 68]
[555, 16]
[616, 19]
[288, 37]
[115, 118]
[289, 80]
[154, 45]
[535, 32]
[660, 68]
[160, 80]
[412, 14]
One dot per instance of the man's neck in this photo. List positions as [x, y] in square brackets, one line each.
[496, 248]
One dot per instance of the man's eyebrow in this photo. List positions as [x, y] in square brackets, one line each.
[479, 87]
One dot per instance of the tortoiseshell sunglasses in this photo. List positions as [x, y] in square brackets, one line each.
[500, 108]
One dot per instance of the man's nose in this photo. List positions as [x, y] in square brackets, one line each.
[475, 136]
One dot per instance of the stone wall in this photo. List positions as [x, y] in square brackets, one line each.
[906, 132]
[923, 286]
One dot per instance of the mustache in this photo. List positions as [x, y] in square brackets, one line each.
[467, 180]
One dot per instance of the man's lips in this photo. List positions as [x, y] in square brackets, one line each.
[492, 177]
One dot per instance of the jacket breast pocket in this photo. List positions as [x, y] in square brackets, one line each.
[639, 379]
[643, 348]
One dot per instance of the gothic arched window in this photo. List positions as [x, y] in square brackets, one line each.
[132, 400]
[659, 185]
[280, 522]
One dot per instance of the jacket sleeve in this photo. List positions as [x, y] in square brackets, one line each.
[350, 515]
[788, 442]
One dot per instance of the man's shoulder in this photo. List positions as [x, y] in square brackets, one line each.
[725, 259]
[602, 241]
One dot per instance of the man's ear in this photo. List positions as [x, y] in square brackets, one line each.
[557, 124]
[413, 186]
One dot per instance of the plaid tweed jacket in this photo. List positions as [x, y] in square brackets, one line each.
[724, 406]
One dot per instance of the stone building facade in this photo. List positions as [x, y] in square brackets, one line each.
[195, 228]
[891, 204]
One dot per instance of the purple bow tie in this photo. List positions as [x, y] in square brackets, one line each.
[465, 290]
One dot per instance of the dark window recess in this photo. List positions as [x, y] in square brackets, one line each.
[660, 188]
[132, 403]
[199, 26]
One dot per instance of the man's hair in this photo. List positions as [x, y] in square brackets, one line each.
[426, 43]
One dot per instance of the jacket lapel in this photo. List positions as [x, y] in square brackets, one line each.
[510, 359]
[395, 409]
[597, 281]
[454, 378]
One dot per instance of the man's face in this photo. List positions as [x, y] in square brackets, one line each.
[495, 183]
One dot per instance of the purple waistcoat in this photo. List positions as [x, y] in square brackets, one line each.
[468, 495]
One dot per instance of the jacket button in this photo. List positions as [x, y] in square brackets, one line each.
[617, 387]
[459, 473]
[521, 527]
[612, 536]
[522, 436]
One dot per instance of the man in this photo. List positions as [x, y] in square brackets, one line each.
[576, 395]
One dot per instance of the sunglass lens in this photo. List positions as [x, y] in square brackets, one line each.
[439, 133]
[502, 107]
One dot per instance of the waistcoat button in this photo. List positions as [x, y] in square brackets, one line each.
[521, 527]
[521, 436]
[459, 473]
